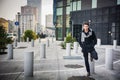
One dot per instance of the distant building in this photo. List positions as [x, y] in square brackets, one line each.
[49, 24]
[37, 4]
[49, 20]
[11, 27]
[29, 18]
[4, 23]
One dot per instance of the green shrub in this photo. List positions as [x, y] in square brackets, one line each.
[68, 39]
[30, 34]
[3, 39]
[9, 41]
[63, 45]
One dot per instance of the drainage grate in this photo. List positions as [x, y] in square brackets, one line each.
[80, 78]
[21, 47]
[73, 66]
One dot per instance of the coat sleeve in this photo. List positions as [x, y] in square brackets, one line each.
[94, 38]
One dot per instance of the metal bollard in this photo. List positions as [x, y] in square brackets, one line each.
[52, 39]
[114, 44]
[39, 40]
[75, 47]
[28, 64]
[15, 42]
[68, 49]
[43, 50]
[98, 42]
[47, 42]
[109, 58]
[92, 67]
[32, 43]
[10, 51]
[27, 39]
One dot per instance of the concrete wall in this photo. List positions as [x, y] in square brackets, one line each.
[86, 4]
[106, 3]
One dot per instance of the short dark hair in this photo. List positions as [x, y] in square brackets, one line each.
[86, 23]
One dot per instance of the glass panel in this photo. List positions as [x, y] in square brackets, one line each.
[118, 2]
[94, 3]
[68, 2]
[59, 33]
[60, 4]
[68, 10]
[67, 20]
[74, 6]
[59, 11]
[67, 31]
[59, 27]
[71, 6]
[78, 5]
[59, 21]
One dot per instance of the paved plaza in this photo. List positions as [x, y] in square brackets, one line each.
[54, 66]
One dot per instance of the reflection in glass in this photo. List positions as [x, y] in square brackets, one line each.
[94, 3]
[118, 2]
[78, 5]
[74, 6]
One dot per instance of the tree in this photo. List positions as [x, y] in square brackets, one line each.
[3, 39]
[29, 34]
[69, 39]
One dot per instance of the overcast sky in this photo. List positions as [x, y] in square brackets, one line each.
[9, 8]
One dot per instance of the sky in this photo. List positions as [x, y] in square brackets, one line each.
[9, 8]
[47, 8]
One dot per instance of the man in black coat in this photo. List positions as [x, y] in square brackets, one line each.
[87, 40]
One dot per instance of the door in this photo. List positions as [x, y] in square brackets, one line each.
[77, 28]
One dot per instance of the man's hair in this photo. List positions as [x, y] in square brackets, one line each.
[86, 23]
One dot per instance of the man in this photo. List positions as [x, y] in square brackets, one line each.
[87, 40]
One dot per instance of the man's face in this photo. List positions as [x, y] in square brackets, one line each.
[85, 26]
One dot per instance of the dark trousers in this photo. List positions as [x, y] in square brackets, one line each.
[85, 54]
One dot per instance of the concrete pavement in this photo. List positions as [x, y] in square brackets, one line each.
[54, 67]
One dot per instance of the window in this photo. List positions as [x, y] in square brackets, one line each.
[118, 2]
[68, 10]
[71, 6]
[74, 6]
[94, 3]
[67, 20]
[78, 5]
[59, 11]
[59, 21]
[68, 2]
[59, 4]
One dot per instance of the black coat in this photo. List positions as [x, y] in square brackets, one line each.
[89, 43]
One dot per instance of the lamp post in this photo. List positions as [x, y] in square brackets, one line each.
[19, 27]
[22, 28]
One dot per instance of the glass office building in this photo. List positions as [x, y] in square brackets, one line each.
[103, 16]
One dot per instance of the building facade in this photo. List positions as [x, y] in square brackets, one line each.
[102, 15]
[49, 20]
[11, 27]
[29, 17]
[37, 4]
[49, 24]
[4, 23]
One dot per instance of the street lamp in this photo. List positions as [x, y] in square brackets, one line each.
[19, 27]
